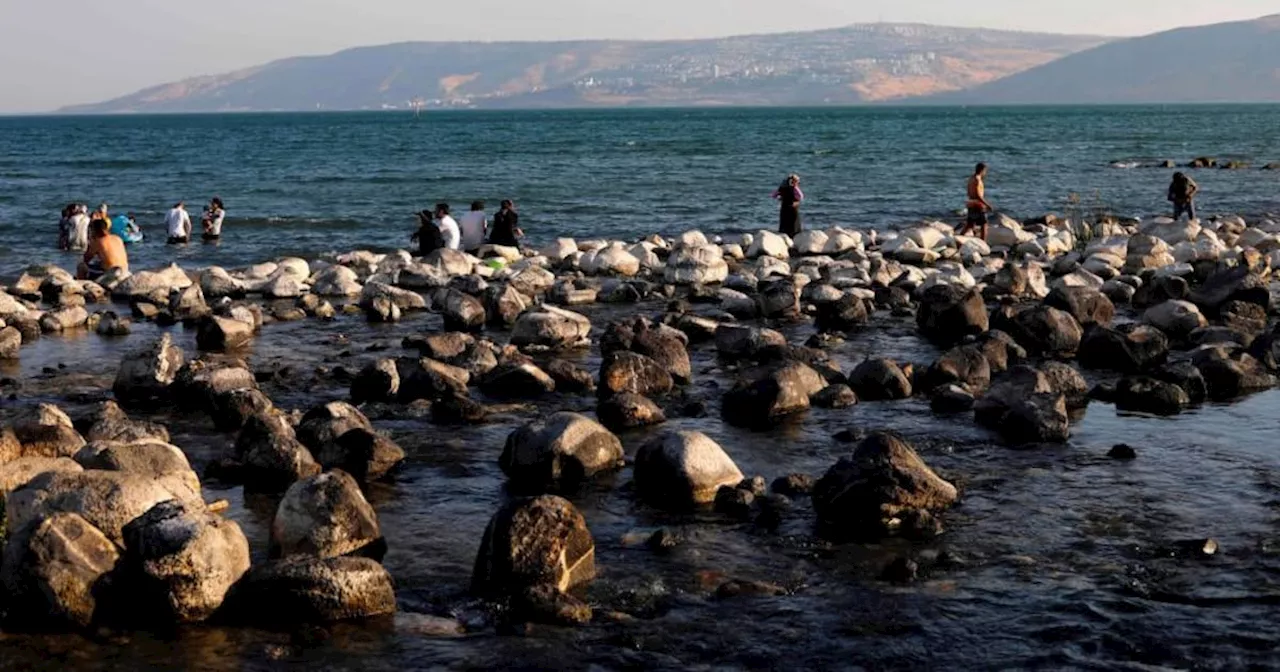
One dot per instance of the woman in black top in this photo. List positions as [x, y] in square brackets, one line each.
[428, 235]
[789, 197]
[506, 226]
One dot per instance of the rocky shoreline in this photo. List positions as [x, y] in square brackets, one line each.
[106, 521]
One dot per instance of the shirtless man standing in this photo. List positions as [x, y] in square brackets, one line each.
[977, 205]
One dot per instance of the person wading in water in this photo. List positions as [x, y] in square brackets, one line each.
[789, 197]
[977, 205]
[1182, 193]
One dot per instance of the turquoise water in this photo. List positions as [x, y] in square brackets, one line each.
[311, 183]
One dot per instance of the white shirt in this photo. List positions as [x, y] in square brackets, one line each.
[79, 238]
[215, 222]
[472, 226]
[449, 228]
[178, 222]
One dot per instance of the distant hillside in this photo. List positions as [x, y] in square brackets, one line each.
[862, 63]
[1223, 63]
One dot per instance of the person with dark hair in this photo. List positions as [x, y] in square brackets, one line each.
[78, 227]
[448, 227]
[212, 221]
[977, 206]
[64, 227]
[473, 227]
[506, 226]
[789, 197]
[428, 236]
[106, 251]
[1182, 193]
[178, 223]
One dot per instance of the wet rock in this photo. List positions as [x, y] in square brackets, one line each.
[1122, 452]
[219, 334]
[1177, 319]
[843, 315]
[232, 408]
[440, 346]
[327, 516]
[679, 469]
[271, 455]
[522, 380]
[1001, 351]
[323, 424]
[309, 589]
[550, 327]
[108, 500]
[1248, 319]
[64, 319]
[835, 396]
[462, 312]
[199, 383]
[880, 380]
[559, 452]
[1141, 394]
[10, 343]
[1088, 306]
[660, 343]
[183, 562]
[964, 365]
[1064, 379]
[767, 395]
[17, 472]
[631, 372]
[1023, 407]
[458, 410]
[111, 324]
[778, 299]
[569, 377]
[428, 379]
[628, 411]
[696, 265]
[1187, 377]
[545, 603]
[161, 462]
[1237, 283]
[147, 375]
[53, 570]
[1128, 349]
[734, 502]
[793, 485]
[377, 381]
[949, 314]
[742, 342]
[901, 570]
[217, 283]
[1042, 330]
[503, 305]
[1230, 378]
[533, 542]
[868, 493]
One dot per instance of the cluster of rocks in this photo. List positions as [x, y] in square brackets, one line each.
[1198, 162]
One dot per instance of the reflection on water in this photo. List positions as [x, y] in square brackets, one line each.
[1056, 557]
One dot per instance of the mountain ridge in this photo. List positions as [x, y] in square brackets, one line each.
[854, 64]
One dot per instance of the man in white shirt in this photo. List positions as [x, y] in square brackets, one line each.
[474, 228]
[178, 222]
[448, 227]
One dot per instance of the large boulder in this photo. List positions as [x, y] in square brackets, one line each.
[17, 472]
[873, 491]
[200, 382]
[327, 516]
[550, 327]
[336, 281]
[182, 561]
[663, 344]
[462, 312]
[1024, 406]
[147, 375]
[625, 371]
[10, 343]
[452, 262]
[1236, 283]
[503, 305]
[680, 469]
[518, 380]
[1229, 377]
[744, 342]
[696, 265]
[1175, 318]
[767, 395]
[323, 425]
[54, 569]
[949, 314]
[1042, 330]
[219, 334]
[845, 314]
[165, 464]
[1088, 306]
[270, 454]
[966, 365]
[1142, 394]
[109, 422]
[880, 380]
[561, 450]
[428, 379]
[217, 283]
[108, 500]
[311, 589]
[778, 299]
[534, 542]
[628, 411]
[1128, 349]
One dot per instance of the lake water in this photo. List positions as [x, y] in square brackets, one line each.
[1062, 558]
[314, 183]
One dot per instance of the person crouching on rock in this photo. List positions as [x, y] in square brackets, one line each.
[1182, 193]
[977, 206]
[106, 251]
[428, 235]
[789, 197]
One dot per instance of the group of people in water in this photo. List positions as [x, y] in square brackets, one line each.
[1182, 193]
[437, 229]
[103, 237]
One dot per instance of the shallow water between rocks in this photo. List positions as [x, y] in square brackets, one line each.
[1061, 557]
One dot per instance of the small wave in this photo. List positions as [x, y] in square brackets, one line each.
[311, 223]
[104, 163]
[823, 152]
[1125, 165]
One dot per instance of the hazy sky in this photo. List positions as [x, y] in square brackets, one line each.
[58, 52]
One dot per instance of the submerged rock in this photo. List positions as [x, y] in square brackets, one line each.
[869, 493]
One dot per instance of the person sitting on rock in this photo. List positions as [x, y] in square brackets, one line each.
[428, 235]
[106, 251]
[1182, 193]
[977, 206]
[506, 226]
